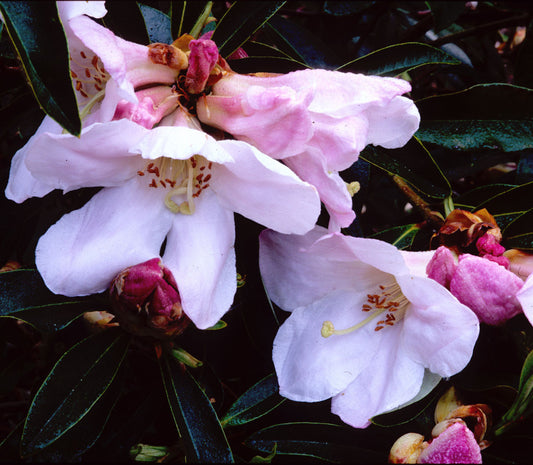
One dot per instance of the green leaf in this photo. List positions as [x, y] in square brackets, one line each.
[414, 164]
[399, 58]
[23, 295]
[266, 65]
[485, 116]
[73, 387]
[257, 401]
[343, 8]
[517, 199]
[400, 236]
[193, 415]
[37, 34]
[240, 21]
[445, 13]
[476, 196]
[183, 16]
[519, 233]
[126, 21]
[522, 404]
[157, 25]
[323, 441]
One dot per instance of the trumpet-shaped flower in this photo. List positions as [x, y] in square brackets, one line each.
[172, 184]
[317, 121]
[364, 327]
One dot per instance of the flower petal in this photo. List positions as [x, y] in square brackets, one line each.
[487, 288]
[99, 157]
[69, 10]
[311, 367]
[417, 261]
[296, 271]
[22, 184]
[389, 380]
[200, 253]
[117, 228]
[439, 332]
[180, 143]
[264, 190]
[525, 297]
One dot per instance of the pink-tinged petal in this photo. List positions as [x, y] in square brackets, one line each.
[202, 60]
[392, 127]
[487, 288]
[264, 190]
[389, 380]
[295, 272]
[22, 184]
[68, 9]
[312, 368]
[417, 262]
[456, 444]
[99, 157]
[200, 253]
[311, 167]
[520, 263]
[119, 227]
[276, 121]
[525, 297]
[180, 143]
[438, 332]
[442, 266]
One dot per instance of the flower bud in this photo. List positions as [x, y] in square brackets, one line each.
[407, 448]
[146, 301]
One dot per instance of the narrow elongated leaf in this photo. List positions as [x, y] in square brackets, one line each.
[323, 441]
[517, 199]
[36, 32]
[266, 65]
[23, 295]
[343, 8]
[476, 196]
[126, 21]
[183, 16]
[396, 59]
[240, 21]
[257, 401]
[519, 232]
[193, 415]
[75, 384]
[485, 116]
[413, 163]
[400, 236]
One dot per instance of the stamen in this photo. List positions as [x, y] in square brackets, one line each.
[353, 188]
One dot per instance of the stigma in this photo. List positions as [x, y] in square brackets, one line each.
[183, 181]
[388, 301]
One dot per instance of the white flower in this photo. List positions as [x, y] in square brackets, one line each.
[365, 326]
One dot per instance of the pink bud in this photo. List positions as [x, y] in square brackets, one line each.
[442, 266]
[202, 60]
[146, 301]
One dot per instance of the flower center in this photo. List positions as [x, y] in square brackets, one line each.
[389, 300]
[181, 178]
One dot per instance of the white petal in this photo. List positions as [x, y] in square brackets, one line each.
[311, 367]
[69, 10]
[389, 380]
[295, 276]
[180, 143]
[417, 262]
[117, 228]
[525, 297]
[264, 190]
[439, 331]
[200, 253]
[22, 184]
[99, 157]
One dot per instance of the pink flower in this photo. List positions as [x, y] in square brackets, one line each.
[317, 121]
[493, 292]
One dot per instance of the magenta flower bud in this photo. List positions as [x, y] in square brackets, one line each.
[146, 301]
[202, 60]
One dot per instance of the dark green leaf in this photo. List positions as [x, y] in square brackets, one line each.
[38, 37]
[266, 65]
[23, 295]
[126, 20]
[400, 236]
[73, 387]
[485, 116]
[445, 13]
[476, 196]
[523, 72]
[519, 233]
[413, 163]
[257, 401]
[396, 59]
[517, 199]
[323, 441]
[157, 25]
[240, 21]
[184, 15]
[343, 8]
[193, 415]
